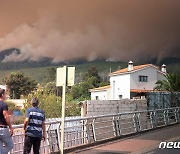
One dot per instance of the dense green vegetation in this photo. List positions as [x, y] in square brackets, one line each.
[50, 96]
[51, 105]
[91, 79]
[44, 75]
[171, 84]
[19, 84]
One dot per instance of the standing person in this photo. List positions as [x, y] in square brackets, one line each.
[34, 127]
[6, 143]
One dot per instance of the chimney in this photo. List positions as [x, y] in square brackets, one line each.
[163, 68]
[130, 66]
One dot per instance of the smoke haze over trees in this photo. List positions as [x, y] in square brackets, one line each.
[84, 29]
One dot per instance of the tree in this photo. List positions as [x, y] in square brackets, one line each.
[171, 84]
[81, 91]
[104, 83]
[19, 85]
[93, 72]
[50, 88]
[52, 108]
[50, 74]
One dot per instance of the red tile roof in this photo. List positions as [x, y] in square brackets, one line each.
[145, 91]
[140, 90]
[135, 68]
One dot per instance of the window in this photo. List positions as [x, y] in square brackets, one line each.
[143, 78]
[120, 96]
[97, 98]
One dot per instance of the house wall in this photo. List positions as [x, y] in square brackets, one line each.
[102, 95]
[152, 79]
[160, 76]
[108, 93]
[120, 85]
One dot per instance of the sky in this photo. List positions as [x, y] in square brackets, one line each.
[65, 30]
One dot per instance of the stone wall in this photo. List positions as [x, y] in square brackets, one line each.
[104, 107]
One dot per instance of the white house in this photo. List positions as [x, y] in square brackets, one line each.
[101, 93]
[3, 87]
[18, 102]
[130, 82]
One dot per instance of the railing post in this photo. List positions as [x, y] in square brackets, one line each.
[59, 135]
[50, 139]
[93, 130]
[166, 117]
[116, 126]
[119, 126]
[139, 121]
[153, 119]
[87, 131]
[114, 121]
[177, 114]
[136, 122]
[167, 114]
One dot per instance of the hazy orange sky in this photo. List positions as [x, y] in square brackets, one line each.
[89, 29]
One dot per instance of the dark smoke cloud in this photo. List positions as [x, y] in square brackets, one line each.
[111, 29]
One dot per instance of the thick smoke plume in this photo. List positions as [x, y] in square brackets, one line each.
[85, 29]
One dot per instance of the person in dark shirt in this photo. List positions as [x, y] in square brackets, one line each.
[34, 127]
[6, 131]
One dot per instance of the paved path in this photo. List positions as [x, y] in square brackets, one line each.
[145, 143]
[164, 151]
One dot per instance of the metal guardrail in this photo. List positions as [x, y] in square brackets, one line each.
[86, 130]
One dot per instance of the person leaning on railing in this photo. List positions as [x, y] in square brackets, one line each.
[34, 128]
[6, 131]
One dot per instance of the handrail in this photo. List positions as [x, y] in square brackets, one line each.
[86, 130]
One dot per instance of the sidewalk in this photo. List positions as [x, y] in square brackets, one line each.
[138, 144]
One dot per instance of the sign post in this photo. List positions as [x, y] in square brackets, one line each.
[65, 76]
